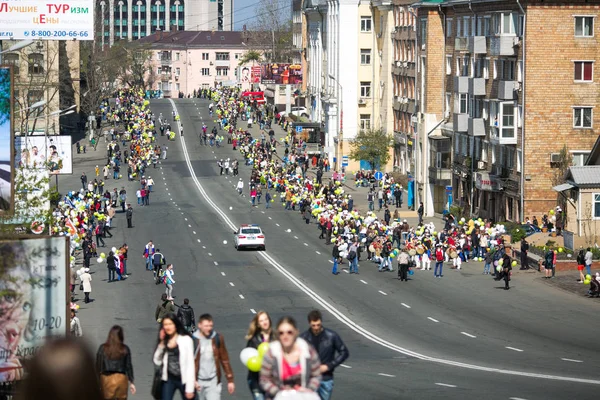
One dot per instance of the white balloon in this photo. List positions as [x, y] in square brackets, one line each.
[114, 249]
[247, 353]
[231, 208]
[363, 240]
[99, 260]
[224, 241]
[78, 272]
[289, 230]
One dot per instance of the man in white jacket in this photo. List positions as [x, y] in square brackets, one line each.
[240, 186]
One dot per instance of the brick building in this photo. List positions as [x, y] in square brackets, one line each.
[493, 88]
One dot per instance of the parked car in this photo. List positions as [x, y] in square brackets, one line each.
[297, 111]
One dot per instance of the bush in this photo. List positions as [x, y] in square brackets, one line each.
[54, 196]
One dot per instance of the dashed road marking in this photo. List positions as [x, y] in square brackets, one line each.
[345, 366]
[277, 224]
[514, 349]
[405, 305]
[262, 212]
[223, 273]
[331, 261]
[445, 385]
[189, 226]
[241, 296]
[306, 244]
[386, 375]
[468, 334]
[571, 360]
[216, 263]
[204, 247]
[363, 281]
[185, 219]
[346, 271]
[319, 253]
[194, 232]
[199, 241]
[210, 254]
[231, 284]
[432, 319]
[383, 293]
[516, 398]
[270, 218]
[295, 237]
[253, 311]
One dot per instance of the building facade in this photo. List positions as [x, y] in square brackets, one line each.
[135, 19]
[499, 106]
[185, 61]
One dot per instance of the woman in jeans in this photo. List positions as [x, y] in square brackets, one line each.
[290, 364]
[113, 362]
[260, 331]
[169, 281]
[174, 355]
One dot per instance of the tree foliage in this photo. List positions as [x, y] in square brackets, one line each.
[251, 56]
[271, 31]
[4, 95]
[371, 145]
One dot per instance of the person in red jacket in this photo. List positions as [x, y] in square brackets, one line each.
[439, 261]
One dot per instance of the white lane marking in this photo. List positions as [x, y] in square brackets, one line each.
[340, 316]
[432, 319]
[204, 247]
[405, 305]
[185, 219]
[253, 311]
[345, 270]
[445, 385]
[194, 232]
[179, 208]
[295, 237]
[571, 360]
[331, 261]
[516, 398]
[363, 281]
[216, 263]
[199, 241]
[383, 293]
[231, 284]
[319, 253]
[277, 224]
[262, 212]
[270, 218]
[386, 375]
[514, 349]
[468, 334]
[223, 273]
[210, 254]
[242, 296]
[189, 226]
[306, 244]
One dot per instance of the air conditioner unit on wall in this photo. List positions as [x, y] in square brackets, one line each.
[362, 101]
[554, 157]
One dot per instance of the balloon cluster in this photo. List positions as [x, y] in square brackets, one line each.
[252, 358]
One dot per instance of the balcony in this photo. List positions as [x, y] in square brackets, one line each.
[477, 86]
[222, 63]
[503, 45]
[166, 61]
[461, 84]
[509, 137]
[165, 77]
[167, 93]
[437, 175]
[404, 33]
[506, 90]
[460, 123]
[477, 45]
[476, 127]
[461, 44]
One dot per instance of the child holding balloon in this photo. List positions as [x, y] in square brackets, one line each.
[260, 334]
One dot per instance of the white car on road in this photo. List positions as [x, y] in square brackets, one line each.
[249, 236]
[297, 111]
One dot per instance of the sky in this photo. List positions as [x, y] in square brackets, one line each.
[245, 11]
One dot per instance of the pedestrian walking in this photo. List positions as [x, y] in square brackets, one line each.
[260, 331]
[581, 264]
[335, 253]
[420, 213]
[186, 316]
[113, 362]
[75, 327]
[330, 347]
[164, 307]
[86, 284]
[588, 261]
[290, 362]
[439, 260]
[129, 215]
[169, 281]
[148, 254]
[84, 180]
[158, 260]
[403, 264]
[524, 252]
[174, 358]
[240, 186]
[210, 356]
[111, 265]
[99, 232]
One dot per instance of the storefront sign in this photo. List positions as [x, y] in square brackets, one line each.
[485, 181]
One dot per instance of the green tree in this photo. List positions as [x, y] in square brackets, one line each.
[371, 145]
[250, 56]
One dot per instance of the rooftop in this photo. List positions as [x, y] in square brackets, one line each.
[588, 175]
[199, 39]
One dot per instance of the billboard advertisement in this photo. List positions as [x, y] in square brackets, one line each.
[47, 20]
[6, 140]
[248, 75]
[281, 74]
[34, 303]
[52, 153]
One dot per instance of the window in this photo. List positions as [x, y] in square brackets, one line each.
[507, 129]
[177, 71]
[466, 26]
[12, 59]
[483, 26]
[222, 71]
[519, 116]
[520, 71]
[582, 117]
[464, 71]
[507, 70]
[485, 112]
[495, 69]
[578, 158]
[449, 27]
[204, 56]
[365, 24]
[178, 87]
[448, 64]
[36, 61]
[486, 68]
[33, 96]
[365, 122]
[463, 103]
[596, 205]
[584, 26]
[177, 55]
[365, 56]
[505, 23]
[447, 104]
[519, 155]
[458, 65]
[584, 71]
[484, 151]
[222, 56]
[458, 27]
[365, 89]
[205, 71]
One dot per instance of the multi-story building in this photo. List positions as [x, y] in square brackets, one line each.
[185, 61]
[404, 85]
[135, 19]
[297, 31]
[498, 104]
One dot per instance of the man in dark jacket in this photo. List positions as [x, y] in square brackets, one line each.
[335, 253]
[524, 251]
[164, 307]
[332, 351]
[129, 216]
[186, 316]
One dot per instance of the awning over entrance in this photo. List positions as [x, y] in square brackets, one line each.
[562, 187]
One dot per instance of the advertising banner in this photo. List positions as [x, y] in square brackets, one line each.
[247, 75]
[52, 153]
[47, 20]
[34, 278]
[6, 140]
[281, 74]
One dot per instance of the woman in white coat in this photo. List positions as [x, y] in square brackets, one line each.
[86, 281]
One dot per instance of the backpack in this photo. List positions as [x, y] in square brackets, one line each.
[439, 255]
[351, 255]
[160, 277]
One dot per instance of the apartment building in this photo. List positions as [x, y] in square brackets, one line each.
[135, 19]
[500, 105]
[404, 73]
[185, 61]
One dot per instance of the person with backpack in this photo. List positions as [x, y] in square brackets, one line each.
[158, 260]
[99, 232]
[169, 281]
[164, 307]
[353, 256]
[439, 260]
[186, 316]
[386, 262]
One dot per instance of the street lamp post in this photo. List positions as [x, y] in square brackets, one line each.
[339, 146]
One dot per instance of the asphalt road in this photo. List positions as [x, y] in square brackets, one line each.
[455, 337]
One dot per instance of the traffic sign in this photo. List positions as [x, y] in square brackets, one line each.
[379, 175]
[298, 129]
[345, 161]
